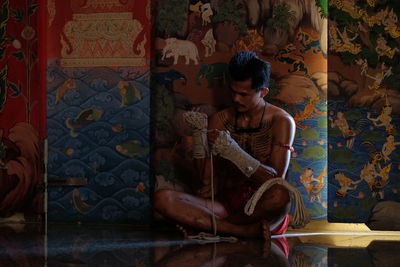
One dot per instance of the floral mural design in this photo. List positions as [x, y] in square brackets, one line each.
[21, 112]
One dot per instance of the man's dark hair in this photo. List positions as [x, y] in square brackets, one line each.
[247, 65]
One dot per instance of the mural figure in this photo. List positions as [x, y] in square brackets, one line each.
[285, 56]
[383, 49]
[347, 44]
[388, 147]
[213, 72]
[347, 133]
[195, 8]
[375, 19]
[308, 43]
[313, 185]
[363, 63]
[345, 184]
[371, 3]
[375, 176]
[209, 43]
[384, 119]
[175, 48]
[379, 76]
[350, 7]
[252, 41]
[381, 183]
[206, 13]
[334, 40]
[309, 111]
[390, 23]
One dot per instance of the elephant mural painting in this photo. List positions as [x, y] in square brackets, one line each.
[175, 48]
[212, 72]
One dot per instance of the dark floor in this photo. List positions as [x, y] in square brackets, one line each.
[100, 245]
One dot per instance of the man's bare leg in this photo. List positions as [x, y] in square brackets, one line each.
[272, 207]
[196, 212]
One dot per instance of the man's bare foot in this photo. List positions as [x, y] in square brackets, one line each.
[257, 230]
[182, 230]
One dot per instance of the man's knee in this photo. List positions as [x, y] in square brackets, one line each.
[278, 196]
[162, 199]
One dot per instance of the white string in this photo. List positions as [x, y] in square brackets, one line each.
[212, 195]
[206, 237]
[198, 122]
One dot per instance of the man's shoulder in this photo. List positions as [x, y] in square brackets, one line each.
[222, 118]
[283, 125]
[279, 113]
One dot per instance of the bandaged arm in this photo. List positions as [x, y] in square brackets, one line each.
[225, 146]
[282, 138]
[198, 123]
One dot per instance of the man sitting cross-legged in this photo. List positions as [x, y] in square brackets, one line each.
[252, 142]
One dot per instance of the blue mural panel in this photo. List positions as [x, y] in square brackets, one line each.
[308, 166]
[98, 129]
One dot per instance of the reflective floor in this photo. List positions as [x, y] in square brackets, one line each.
[116, 245]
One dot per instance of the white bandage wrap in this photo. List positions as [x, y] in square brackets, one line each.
[198, 122]
[226, 147]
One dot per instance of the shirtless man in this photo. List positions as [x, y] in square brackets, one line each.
[260, 140]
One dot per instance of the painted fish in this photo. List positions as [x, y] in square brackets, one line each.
[131, 148]
[140, 187]
[84, 118]
[67, 150]
[128, 92]
[68, 84]
[78, 202]
[117, 128]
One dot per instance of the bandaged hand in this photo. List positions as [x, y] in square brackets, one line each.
[226, 147]
[198, 122]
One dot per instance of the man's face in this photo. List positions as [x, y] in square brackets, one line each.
[243, 97]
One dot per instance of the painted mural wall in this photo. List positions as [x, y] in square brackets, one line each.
[193, 42]
[363, 107]
[98, 108]
[22, 106]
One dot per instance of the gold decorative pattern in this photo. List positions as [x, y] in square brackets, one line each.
[102, 4]
[102, 39]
